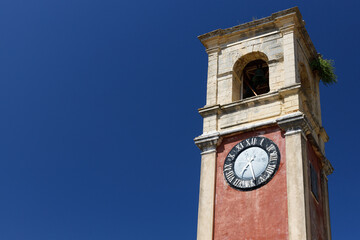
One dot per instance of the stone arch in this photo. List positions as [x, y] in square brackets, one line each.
[244, 89]
[249, 57]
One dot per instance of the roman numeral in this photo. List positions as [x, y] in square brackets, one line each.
[230, 176]
[271, 148]
[270, 169]
[231, 156]
[239, 146]
[261, 179]
[237, 182]
[227, 167]
[273, 156]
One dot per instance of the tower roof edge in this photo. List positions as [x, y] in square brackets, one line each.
[279, 20]
[244, 26]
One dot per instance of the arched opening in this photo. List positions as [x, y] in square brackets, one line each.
[255, 79]
[251, 76]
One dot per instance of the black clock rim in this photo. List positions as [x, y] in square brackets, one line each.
[268, 179]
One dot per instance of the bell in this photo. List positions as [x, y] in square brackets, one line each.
[259, 76]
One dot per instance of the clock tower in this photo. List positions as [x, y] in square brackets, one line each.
[263, 165]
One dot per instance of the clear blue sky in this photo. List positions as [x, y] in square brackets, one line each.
[98, 103]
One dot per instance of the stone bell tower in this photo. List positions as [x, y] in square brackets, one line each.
[263, 165]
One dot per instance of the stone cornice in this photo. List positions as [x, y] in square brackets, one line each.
[213, 50]
[209, 110]
[248, 127]
[289, 20]
[207, 143]
[291, 123]
[246, 26]
[294, 121]
[275, 95]
[297, 122]
[327, 167]
[324, 136]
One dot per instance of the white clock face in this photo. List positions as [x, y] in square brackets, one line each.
[251, 163]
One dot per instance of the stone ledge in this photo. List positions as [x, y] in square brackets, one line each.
[294, 121]
[291, 123]
[217, 109]
[297, 122]
[256, 23]
[209, 110]
[207, 143]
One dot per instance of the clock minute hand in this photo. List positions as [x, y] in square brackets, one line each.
[252, 170]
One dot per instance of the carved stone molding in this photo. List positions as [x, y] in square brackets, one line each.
[213, 50]
[209, 110]
[293, 123]
[327, 167]
[275, 17]
[208, 143]
[297, 122]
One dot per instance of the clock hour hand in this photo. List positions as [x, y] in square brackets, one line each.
[244, 168]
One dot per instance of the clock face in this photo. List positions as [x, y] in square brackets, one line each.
[251, 163]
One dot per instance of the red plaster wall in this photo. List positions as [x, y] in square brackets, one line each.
[317, 207]
[258, 214]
